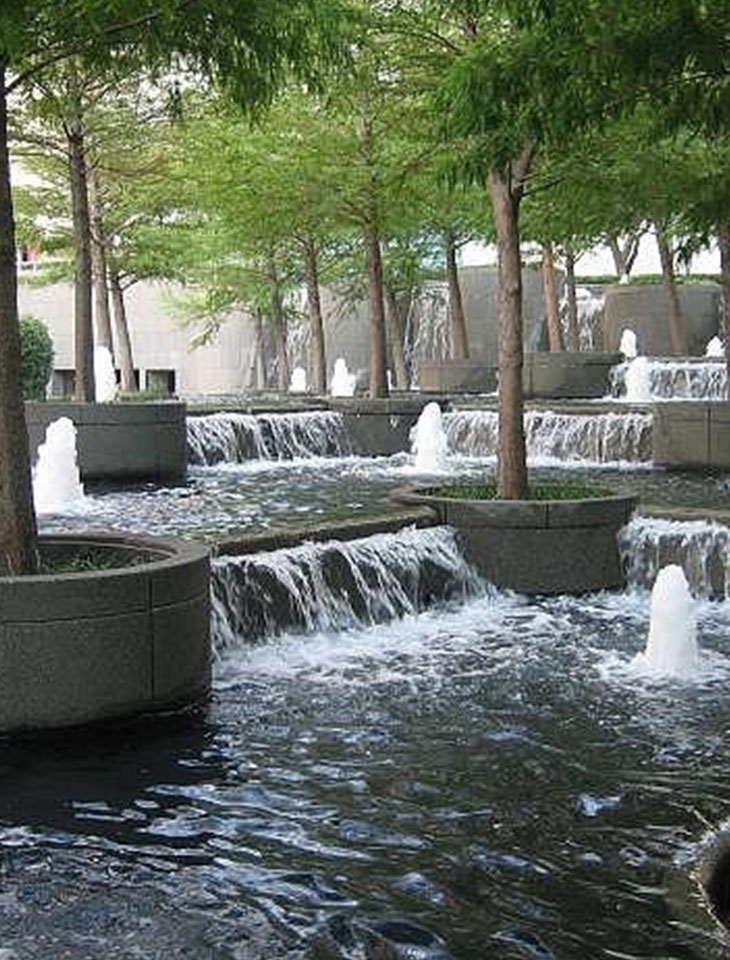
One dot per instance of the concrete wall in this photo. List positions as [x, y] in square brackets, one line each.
[568, 375]
[642, 308]
[379, 427]
[81, 647]
[539, 547]
[118, 440]
[693, 434]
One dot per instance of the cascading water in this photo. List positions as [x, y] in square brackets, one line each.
[336, 585]
[701, 548]
[57, 485]
[105, 380]
[671, 648]
[237, 437]
[428, 440]
[667, 379]
[596, 438]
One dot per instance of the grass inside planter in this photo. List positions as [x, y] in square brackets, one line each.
[89, 561]
[536, 491]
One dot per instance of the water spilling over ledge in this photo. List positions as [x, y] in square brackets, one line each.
[595, 438]
[336, 585]
[237, 437]
[683, 379]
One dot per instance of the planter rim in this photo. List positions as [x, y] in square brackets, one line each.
[422, 494]
[163, 550]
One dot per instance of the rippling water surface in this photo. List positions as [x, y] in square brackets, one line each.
[495, 778]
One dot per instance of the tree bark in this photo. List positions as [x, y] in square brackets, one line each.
[124, 355]
[723, 242]
[397, 338]
[624, 257]
[573, 325]
[376, 312]
[459, 336]
[511, 454]
[102, 314]
[677, 338]
[316, 323]
[279, 321]
[258, 365]
[550, 299]
[18, 531]
[83, 314]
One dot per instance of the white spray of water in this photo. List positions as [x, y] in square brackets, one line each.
[298, 383]
[628, 345]
[104, 377]
[714, 348]
[638, 381]
[56, 480]
[428, 440]
[343, 382]
[671, 649]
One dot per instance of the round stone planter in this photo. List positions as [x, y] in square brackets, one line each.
[109, 642]
[538, 546]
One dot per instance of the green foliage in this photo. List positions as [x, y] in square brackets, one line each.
[36, 352]
[536, 491]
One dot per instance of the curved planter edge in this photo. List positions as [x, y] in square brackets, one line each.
[115, 642]
[538, 546]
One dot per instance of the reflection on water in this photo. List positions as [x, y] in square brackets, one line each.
[492, 779]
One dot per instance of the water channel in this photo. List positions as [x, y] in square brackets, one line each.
[397, 760]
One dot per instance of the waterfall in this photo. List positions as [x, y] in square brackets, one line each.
[333, 585]
[700, 547]
[236, 437]
[596, 438]
[687, 379]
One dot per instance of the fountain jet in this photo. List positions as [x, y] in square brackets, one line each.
[671, 648]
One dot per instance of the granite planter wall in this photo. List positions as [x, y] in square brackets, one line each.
[118, 441]
[107, 642]
[379, 427]
[568, 375]
[457, 376]
[692, 434]
[538, 546]
[642, 308]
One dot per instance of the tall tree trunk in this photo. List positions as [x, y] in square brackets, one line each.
[102, 314]
[459, 336]
[83, 315]
[550, 299]
[279, 321]
[124, 356]
[316, 323]
[573, 325]
[397, 338]
[18, 532]
[723, 242]
[677, 338]
[511, 454]
[376, 312]
[624, 257]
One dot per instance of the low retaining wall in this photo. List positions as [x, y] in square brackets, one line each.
[124, 441]
[693, 434]
[379, 427]
[457, 376]
[81, 647]
[538, 546]
[568, 374]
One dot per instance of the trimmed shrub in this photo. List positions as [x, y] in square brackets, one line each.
[36, 357]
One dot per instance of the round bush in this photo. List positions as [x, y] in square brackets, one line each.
[36, 357]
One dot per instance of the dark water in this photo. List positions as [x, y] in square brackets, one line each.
[496, 779]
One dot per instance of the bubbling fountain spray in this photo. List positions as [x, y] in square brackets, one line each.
[628, 345]
[671, 649]
[298, 383]
[714, 348]
[56, 481]
[638, 381]
[428, 440]
[104, 377]
[343, 382]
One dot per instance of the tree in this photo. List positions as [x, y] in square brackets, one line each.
[249, 47]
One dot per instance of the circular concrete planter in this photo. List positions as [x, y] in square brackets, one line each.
[538, 546]
[112, 642]
[714, 876]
